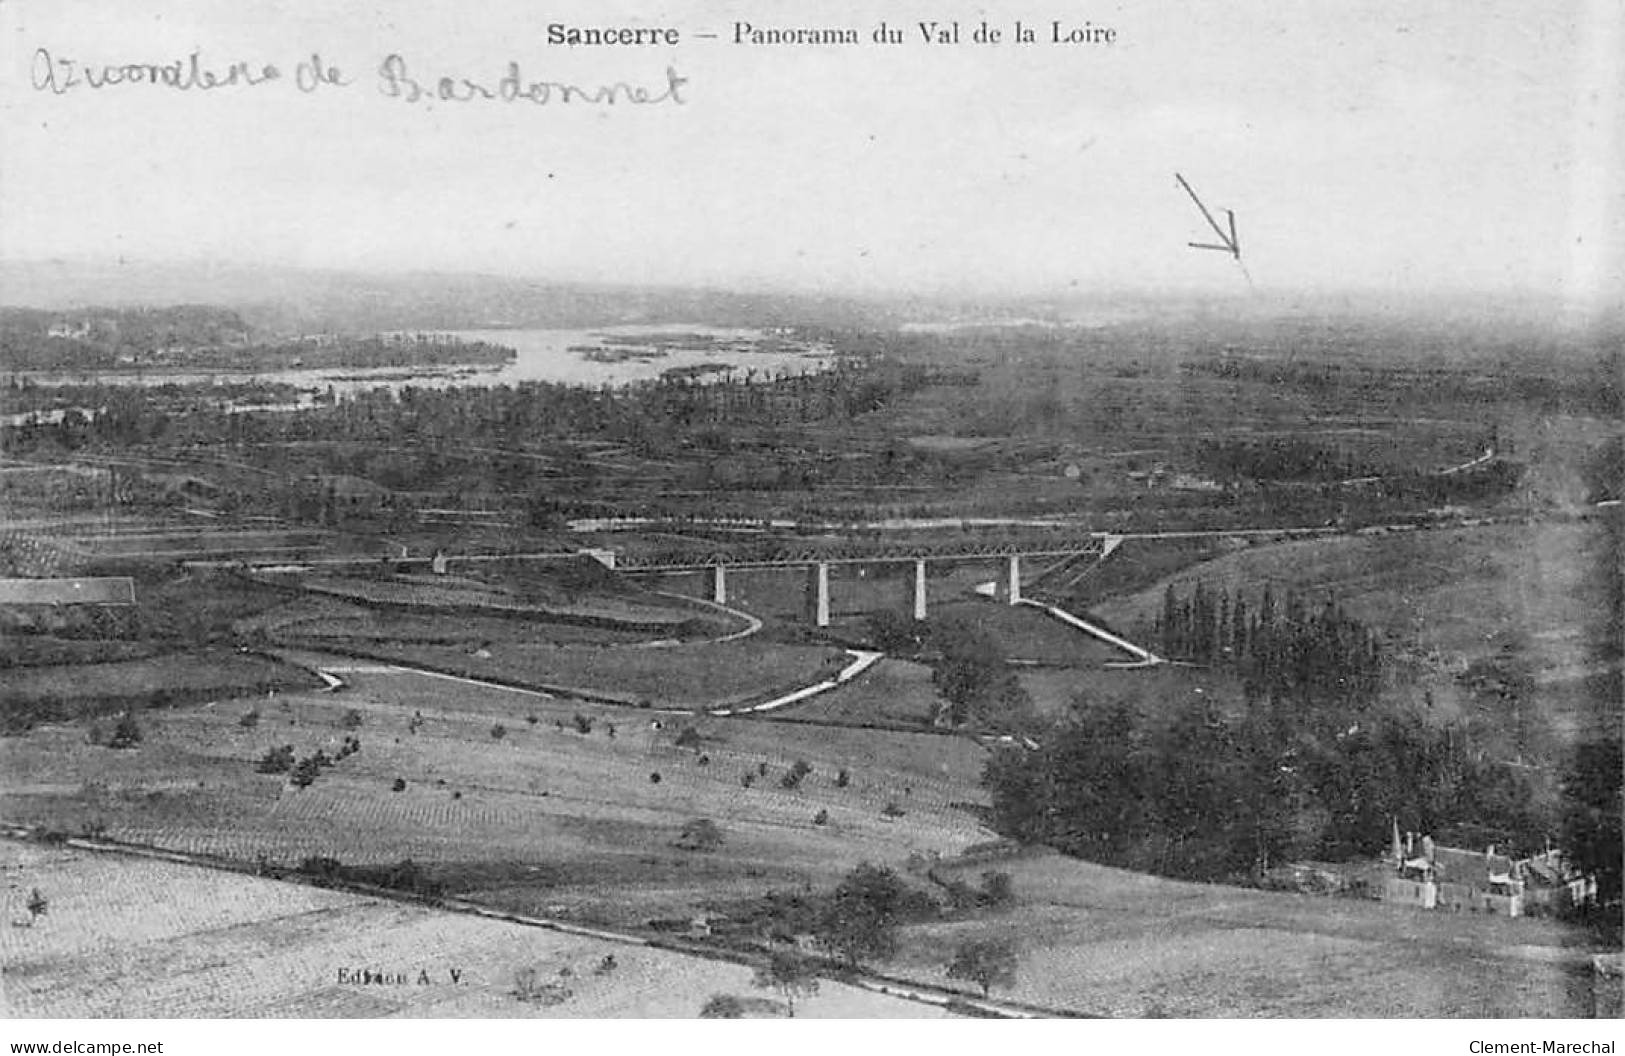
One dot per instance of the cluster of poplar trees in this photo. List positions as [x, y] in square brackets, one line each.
[1282, 650]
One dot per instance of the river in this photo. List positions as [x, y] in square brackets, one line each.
[560, 356]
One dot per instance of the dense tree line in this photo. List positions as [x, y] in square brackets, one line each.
[1591, 385]
[650, 416]
[1281, 458]
[1199, 796]
[1282, 651]
[533, 447]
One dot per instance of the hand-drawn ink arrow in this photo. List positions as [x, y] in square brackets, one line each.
[1230, 243]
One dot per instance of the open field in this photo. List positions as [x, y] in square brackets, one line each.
[1147, 691]
[325, 618]
[1027, 634]
[193, 943]
[1134, 566]
[1109, 942]
[693, 677]
[542, 819]
[461, 594]
[68, 690]
[896, 693]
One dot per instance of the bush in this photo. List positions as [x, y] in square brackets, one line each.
[987, 963]
[250, 719]
[843, 779]
[127, 734]
[399, 785]
[352, 720]
[793, 777]
[318, 866]
[405, 875]
[747, 779]
[498, 732]
[997, 889]
[654, 778]
[821, 818]
[304, 774]
[723, 1006]
[701, 834]
[895, 633]
[688, 737]
[277, 760]
[892, 810]
[582, 722]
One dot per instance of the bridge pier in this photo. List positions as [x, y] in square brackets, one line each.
[1013, 580]
[818, 593]
[919, 589]
[719, 584]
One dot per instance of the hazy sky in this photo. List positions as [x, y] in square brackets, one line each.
[1405, 146]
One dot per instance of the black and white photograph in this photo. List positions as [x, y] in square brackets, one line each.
[1030, 509]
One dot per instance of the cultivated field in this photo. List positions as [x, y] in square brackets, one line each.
[541, 818]
[133, 938]
[63, 690]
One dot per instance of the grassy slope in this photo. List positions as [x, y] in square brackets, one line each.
[542, 818]
[200, 671]
[196, 943]
[1110, 942]
[698, 676]
[1463, 590]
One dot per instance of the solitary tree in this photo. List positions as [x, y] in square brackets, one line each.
[987, 963]
[861, 919]
[37, 905]
[790, 974]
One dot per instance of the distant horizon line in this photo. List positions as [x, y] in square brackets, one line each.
[956, 293]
